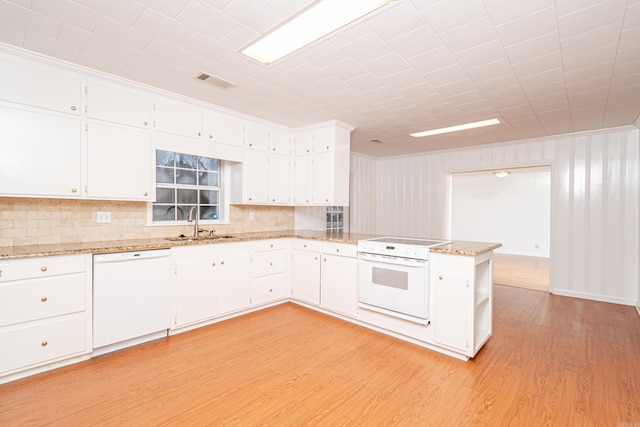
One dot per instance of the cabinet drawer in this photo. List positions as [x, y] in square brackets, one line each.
[269, 288]
[40, 267]
[341, 249]
[35, 299]
[41, 343]
[307, 245]
[269, 262]
[269, 245]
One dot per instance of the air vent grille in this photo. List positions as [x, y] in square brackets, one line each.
[215, 81]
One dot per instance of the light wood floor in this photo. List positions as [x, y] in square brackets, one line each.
[522, 271]
[552, 360]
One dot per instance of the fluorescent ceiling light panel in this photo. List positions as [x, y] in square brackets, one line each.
[456, 128]
[311, 24]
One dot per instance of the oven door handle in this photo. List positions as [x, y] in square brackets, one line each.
[405, 262]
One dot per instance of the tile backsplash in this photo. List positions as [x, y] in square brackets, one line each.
[30, 221]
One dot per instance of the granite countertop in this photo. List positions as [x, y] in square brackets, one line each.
[113, 246]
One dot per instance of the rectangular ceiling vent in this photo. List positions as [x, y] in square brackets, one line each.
[216, 81]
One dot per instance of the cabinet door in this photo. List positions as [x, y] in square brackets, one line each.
[303, 144]
[256, 176]
[41, 154]
[339, 289]
[451, 320]
[279, 142]
[257, 137]
[224, 129]
[305, 284]
[40, 87]
[119, 163]
[178, 119]
[196, 291]
[323, 139]
[302, 180]
[279, 179]
[269, 288]
[322, 179]
[234, 281]
[118, 106]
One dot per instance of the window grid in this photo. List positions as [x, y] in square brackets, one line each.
[335, 219]
[184, 181]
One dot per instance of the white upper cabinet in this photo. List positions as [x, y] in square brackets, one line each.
[223, 128]
[41, 87]
[279, 142]
[178, 118]
[118, 106]
[302, 171]
[326, 169]
[41, 154]
[119, 162]
[324, 139]
[279, 180]
[257, 137]
[303, 143]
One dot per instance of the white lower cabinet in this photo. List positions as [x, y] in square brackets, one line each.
[210, 280]
[45, 313]
[462, 294]
[339, 278]
[269, 268]
[305, 270]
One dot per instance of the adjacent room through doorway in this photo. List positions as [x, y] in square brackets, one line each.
[510, 206]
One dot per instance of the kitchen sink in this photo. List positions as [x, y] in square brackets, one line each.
[183, 238]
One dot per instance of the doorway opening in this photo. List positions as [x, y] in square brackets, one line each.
[512, 208]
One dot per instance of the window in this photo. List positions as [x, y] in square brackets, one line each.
[335, 219]
[183, 181]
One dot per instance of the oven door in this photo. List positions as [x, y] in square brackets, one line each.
[394, 286]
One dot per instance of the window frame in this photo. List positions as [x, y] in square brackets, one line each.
[223, 188]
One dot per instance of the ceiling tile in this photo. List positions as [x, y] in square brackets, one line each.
[206, 46]
[169, 8]
[258, 15]
[322, 55]
[386, 26]
[365, 48]
[469, 35]
[168, 52]
[85, 40]
[134, 57]
[69, 12]
[92, 59]
[446, 75]
[464, 86]
[330, 85]
[125, 11]
[307, 72]
[12, 34]
[51, 47]
[566, 7]
[442, 17]
[481, 54]
[632, 16]
[533, 48]
[387, 65]
[528, 27]
[538, 65]
[239, 37]
[630, 38]
[162, 27]
[585, 20]
[345, 69]
[491, 70]
[600, 55]
[122, 33]
[415, 42]
[405, 78]
[601, 70]
[212, 22]
[433, 60]
[501, 11]
[30, 20]
[24, 3]
[598, 37]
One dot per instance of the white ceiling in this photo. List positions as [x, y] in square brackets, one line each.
[543, 67]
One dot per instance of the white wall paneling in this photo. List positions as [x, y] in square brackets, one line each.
[595, 227]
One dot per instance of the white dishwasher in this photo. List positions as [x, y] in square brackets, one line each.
[131, 298]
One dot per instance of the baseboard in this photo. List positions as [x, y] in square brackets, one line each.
[594, 297]
[638, 309]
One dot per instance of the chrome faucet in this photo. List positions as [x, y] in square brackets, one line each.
[196, 228]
